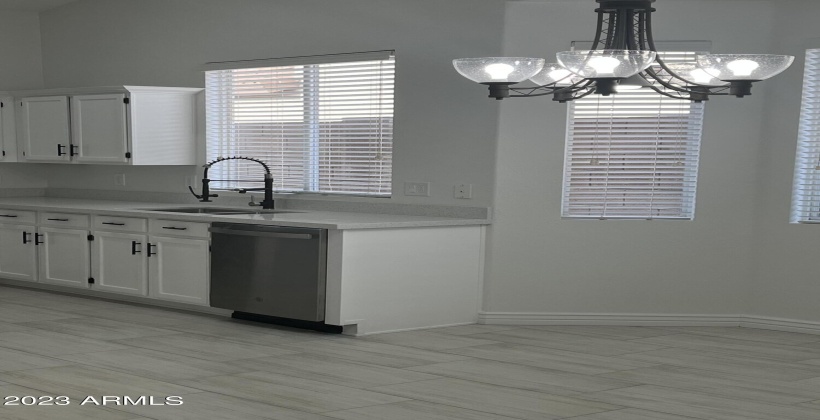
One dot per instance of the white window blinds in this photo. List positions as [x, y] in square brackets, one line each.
[320, 126]
[633, 155]
[806, 190]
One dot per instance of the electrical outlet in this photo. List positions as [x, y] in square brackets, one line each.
[421, 189]
[464, 191]
[119, 180]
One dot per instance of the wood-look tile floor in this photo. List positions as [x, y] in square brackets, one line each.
[53, 344]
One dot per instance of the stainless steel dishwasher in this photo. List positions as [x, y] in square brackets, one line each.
[273, 271]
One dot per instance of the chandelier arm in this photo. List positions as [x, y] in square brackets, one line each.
[662, 82]
[533, 91]
[585, 94]
[651, 41]
[598, 30]
[667, 94]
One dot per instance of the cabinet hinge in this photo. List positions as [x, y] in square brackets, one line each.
[128, 155]
[90, 237]
[126, 100]
[91, 280]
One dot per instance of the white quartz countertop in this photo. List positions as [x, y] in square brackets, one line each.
[297, 218]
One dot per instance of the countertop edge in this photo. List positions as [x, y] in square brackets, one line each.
[136, 209]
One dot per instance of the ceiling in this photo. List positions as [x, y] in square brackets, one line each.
[32, 5]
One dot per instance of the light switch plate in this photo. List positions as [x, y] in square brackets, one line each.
[119, 180]
[464, 191]
[421, 189]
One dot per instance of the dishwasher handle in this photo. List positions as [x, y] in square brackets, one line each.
[281, 235]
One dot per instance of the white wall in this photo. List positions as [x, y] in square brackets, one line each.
[538, 262]
[444, 129]
[787, 284]
[20, 68]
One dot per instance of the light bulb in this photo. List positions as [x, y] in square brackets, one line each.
[742, 67]
[499, 71]
[604, 65]
[699, 75]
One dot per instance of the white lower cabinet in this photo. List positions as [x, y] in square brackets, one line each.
[18, 255]
[119, 263]
[64, 256]
[179, 269]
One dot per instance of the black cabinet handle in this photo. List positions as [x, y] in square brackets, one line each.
[134, 250]
[59, 220]
[149, 250]
[37, 237]
[71, 151]
[25, 237]
[60, 151]
[174, 228]
[113, 224]
[8, 215]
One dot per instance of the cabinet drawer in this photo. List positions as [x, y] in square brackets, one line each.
[16, 216]
[64, 220]
[119, 224]
[178, 228]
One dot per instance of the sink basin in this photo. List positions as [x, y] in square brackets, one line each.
[216, 210]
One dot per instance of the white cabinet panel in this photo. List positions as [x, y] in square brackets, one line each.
[8, 134]
[18, 255]
[44, 129]
[179, 269]
[64, 257]
[118, 263]
[99, 125]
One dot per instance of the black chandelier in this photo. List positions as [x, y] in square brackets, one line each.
[622, 54]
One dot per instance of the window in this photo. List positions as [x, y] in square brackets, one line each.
[322, 124]
[806, 191]
[633, 155]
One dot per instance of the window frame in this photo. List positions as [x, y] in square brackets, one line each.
[689, 145]
[318, 144]
[806, 181]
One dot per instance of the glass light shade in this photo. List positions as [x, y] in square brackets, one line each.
[605, 64]
[691, 72]
[498, 69]
[552, 73]
[749, 67]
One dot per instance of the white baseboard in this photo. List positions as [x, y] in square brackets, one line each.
[649, 320]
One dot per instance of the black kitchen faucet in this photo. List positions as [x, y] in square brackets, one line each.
[206, 195]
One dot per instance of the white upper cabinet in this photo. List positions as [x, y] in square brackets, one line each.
[8, 134]
[45, 133]
[99, 128]
[126, 125]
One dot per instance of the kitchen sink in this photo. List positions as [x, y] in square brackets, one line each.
[217, 210]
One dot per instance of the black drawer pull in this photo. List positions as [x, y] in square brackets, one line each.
[71, 151]
[8, 215]
[60, 151]
[37, 237]
[149, 250]
[174, 228]
[59, 220]
[134, 250]
[113, 224]
[25, 237]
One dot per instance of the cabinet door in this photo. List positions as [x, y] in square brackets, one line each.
[64, 257]
[44, 129]
[118, 263]
[8, 136]
[178, 269]
[18, 255]
[99, 125]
